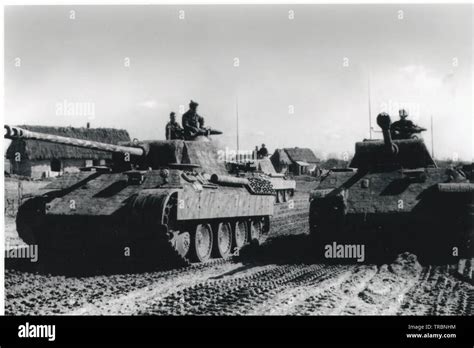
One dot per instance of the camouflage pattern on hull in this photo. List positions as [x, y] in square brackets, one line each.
[395, 199]
[157, 201]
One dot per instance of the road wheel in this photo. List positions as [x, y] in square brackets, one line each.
[284, 195]
[201, 243]
[182, 242]
[279, 196]
[241, 233]
[256, 230]
[223, 240]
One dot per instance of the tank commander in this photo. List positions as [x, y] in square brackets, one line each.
[193, 124]
[263, 152]
[173, 128]
[403, 128]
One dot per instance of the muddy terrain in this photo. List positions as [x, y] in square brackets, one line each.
[236, 287]
[281, 277]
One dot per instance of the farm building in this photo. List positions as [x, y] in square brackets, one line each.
[38, 159]
[297, 161]
[281, 162]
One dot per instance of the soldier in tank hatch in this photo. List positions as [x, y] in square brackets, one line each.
[173, 128]
[263, 152]
[193, 124]
[403, 128]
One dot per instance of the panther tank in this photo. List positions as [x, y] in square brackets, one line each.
[284, 187]
[173, 201]
[394, 198]
[262, 168]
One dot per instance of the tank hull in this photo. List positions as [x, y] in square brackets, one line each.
[395, 211]
[106, 213]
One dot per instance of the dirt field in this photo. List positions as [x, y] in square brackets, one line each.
[270, 280]
[233, 287]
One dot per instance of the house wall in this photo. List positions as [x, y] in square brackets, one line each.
[7, 166]
[38, 169]
[296, 169]
[42, 169]
[282, 168]
[34, 169]
[72, 165]
[21, 167]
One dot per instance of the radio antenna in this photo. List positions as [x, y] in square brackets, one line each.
[432, 138]
[370, 106]
[237, 120]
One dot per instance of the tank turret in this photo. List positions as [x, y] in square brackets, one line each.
[387, 154]
[144, 155]
[384, 122]
[395, 200]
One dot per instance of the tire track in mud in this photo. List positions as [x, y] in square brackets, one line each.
[37, 294]
[42, 294]
[270, 287]
[334, 297]
[350, 290]
[384, 293]
[136, 301]
[375, 290]
[285, 301]
[437, 292]
[236, 296]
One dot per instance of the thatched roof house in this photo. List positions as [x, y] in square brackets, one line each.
[280, 160]
[301, 154]
[296, 160]
[41, 159]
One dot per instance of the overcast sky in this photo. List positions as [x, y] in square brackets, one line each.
[417, 55]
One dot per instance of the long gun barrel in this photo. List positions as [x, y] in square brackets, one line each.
[384, 122]
[20, 133]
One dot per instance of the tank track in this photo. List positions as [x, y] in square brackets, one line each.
[157, 248]
[145, 225]
[240, 295]
[142, 229]
[165, 245]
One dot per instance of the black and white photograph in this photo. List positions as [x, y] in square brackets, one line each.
[239, 160]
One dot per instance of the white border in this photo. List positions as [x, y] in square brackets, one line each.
[2, 164]
[227, 2]
[149, 2]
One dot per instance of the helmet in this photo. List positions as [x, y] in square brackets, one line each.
[403, 113]
[193, 103]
